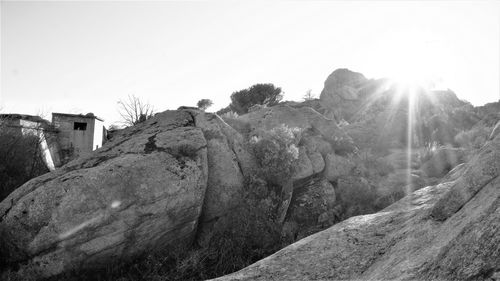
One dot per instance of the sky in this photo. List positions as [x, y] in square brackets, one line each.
[79, 57]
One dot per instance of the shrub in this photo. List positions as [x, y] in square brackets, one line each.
[20, 160]
[276, 153]
[357, 196]
[426, 152]
[264, 94]
[203, 104]
[231, 118]
[474, 138]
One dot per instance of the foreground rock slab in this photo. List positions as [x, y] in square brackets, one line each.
[413, 239]
[145, 188]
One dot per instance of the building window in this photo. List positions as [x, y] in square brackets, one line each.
[78, 126]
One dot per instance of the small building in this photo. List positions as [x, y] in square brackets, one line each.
[78, 134]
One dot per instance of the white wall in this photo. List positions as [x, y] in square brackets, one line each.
[98, 129]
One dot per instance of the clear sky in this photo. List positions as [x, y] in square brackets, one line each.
[80, 57]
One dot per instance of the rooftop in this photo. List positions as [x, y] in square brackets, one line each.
[88, 115]
[32, 118]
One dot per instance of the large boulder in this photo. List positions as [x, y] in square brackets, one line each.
[155, 184]
[225, 179]
[340, 93]
[142, 190]
[417, 238]
[304, 166]
[317, 161]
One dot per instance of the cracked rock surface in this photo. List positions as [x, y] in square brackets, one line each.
[450, 231]
[143, 189]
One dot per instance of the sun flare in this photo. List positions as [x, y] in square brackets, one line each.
[412, 59]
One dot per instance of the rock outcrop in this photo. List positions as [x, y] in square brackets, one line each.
[307, 119]
[152, 185]
[337, 166]
[450, 231]
[162, 182]
[342, 88]
[381, 108]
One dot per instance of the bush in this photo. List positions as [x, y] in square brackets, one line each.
[233, 120]
[356, 195]
[264, 94]
[426, 152]
[276, 153]
[20, 160]
[474, 138]
[203, 104]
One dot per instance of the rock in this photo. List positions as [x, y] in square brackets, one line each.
[337, 166]
[317, 162]
[443, 160]
[304, 118]
[155, 184]
[496, 131]
[225, 179]
[342, 82]
[304, 166]
[401, 242]
[315, 143]
[340, 93]
[455, 173]
[479, 171]
[142, 190]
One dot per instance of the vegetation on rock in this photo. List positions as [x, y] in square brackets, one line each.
[263, 94]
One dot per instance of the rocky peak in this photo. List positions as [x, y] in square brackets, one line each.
[344, 77]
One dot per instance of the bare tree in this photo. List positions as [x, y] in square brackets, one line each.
[134, 110]
[309, 95]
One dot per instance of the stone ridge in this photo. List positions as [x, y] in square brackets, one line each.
[405, 241]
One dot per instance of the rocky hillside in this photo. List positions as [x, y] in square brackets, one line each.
[163, 182]
[449, 231]
[173, 180]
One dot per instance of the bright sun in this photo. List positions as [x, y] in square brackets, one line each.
[411, 59]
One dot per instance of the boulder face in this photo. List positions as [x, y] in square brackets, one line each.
[342, 88]
[380, 109]
[337, 166]
[149, 187]
[449, 231]
[225, 179]
[304, 118]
